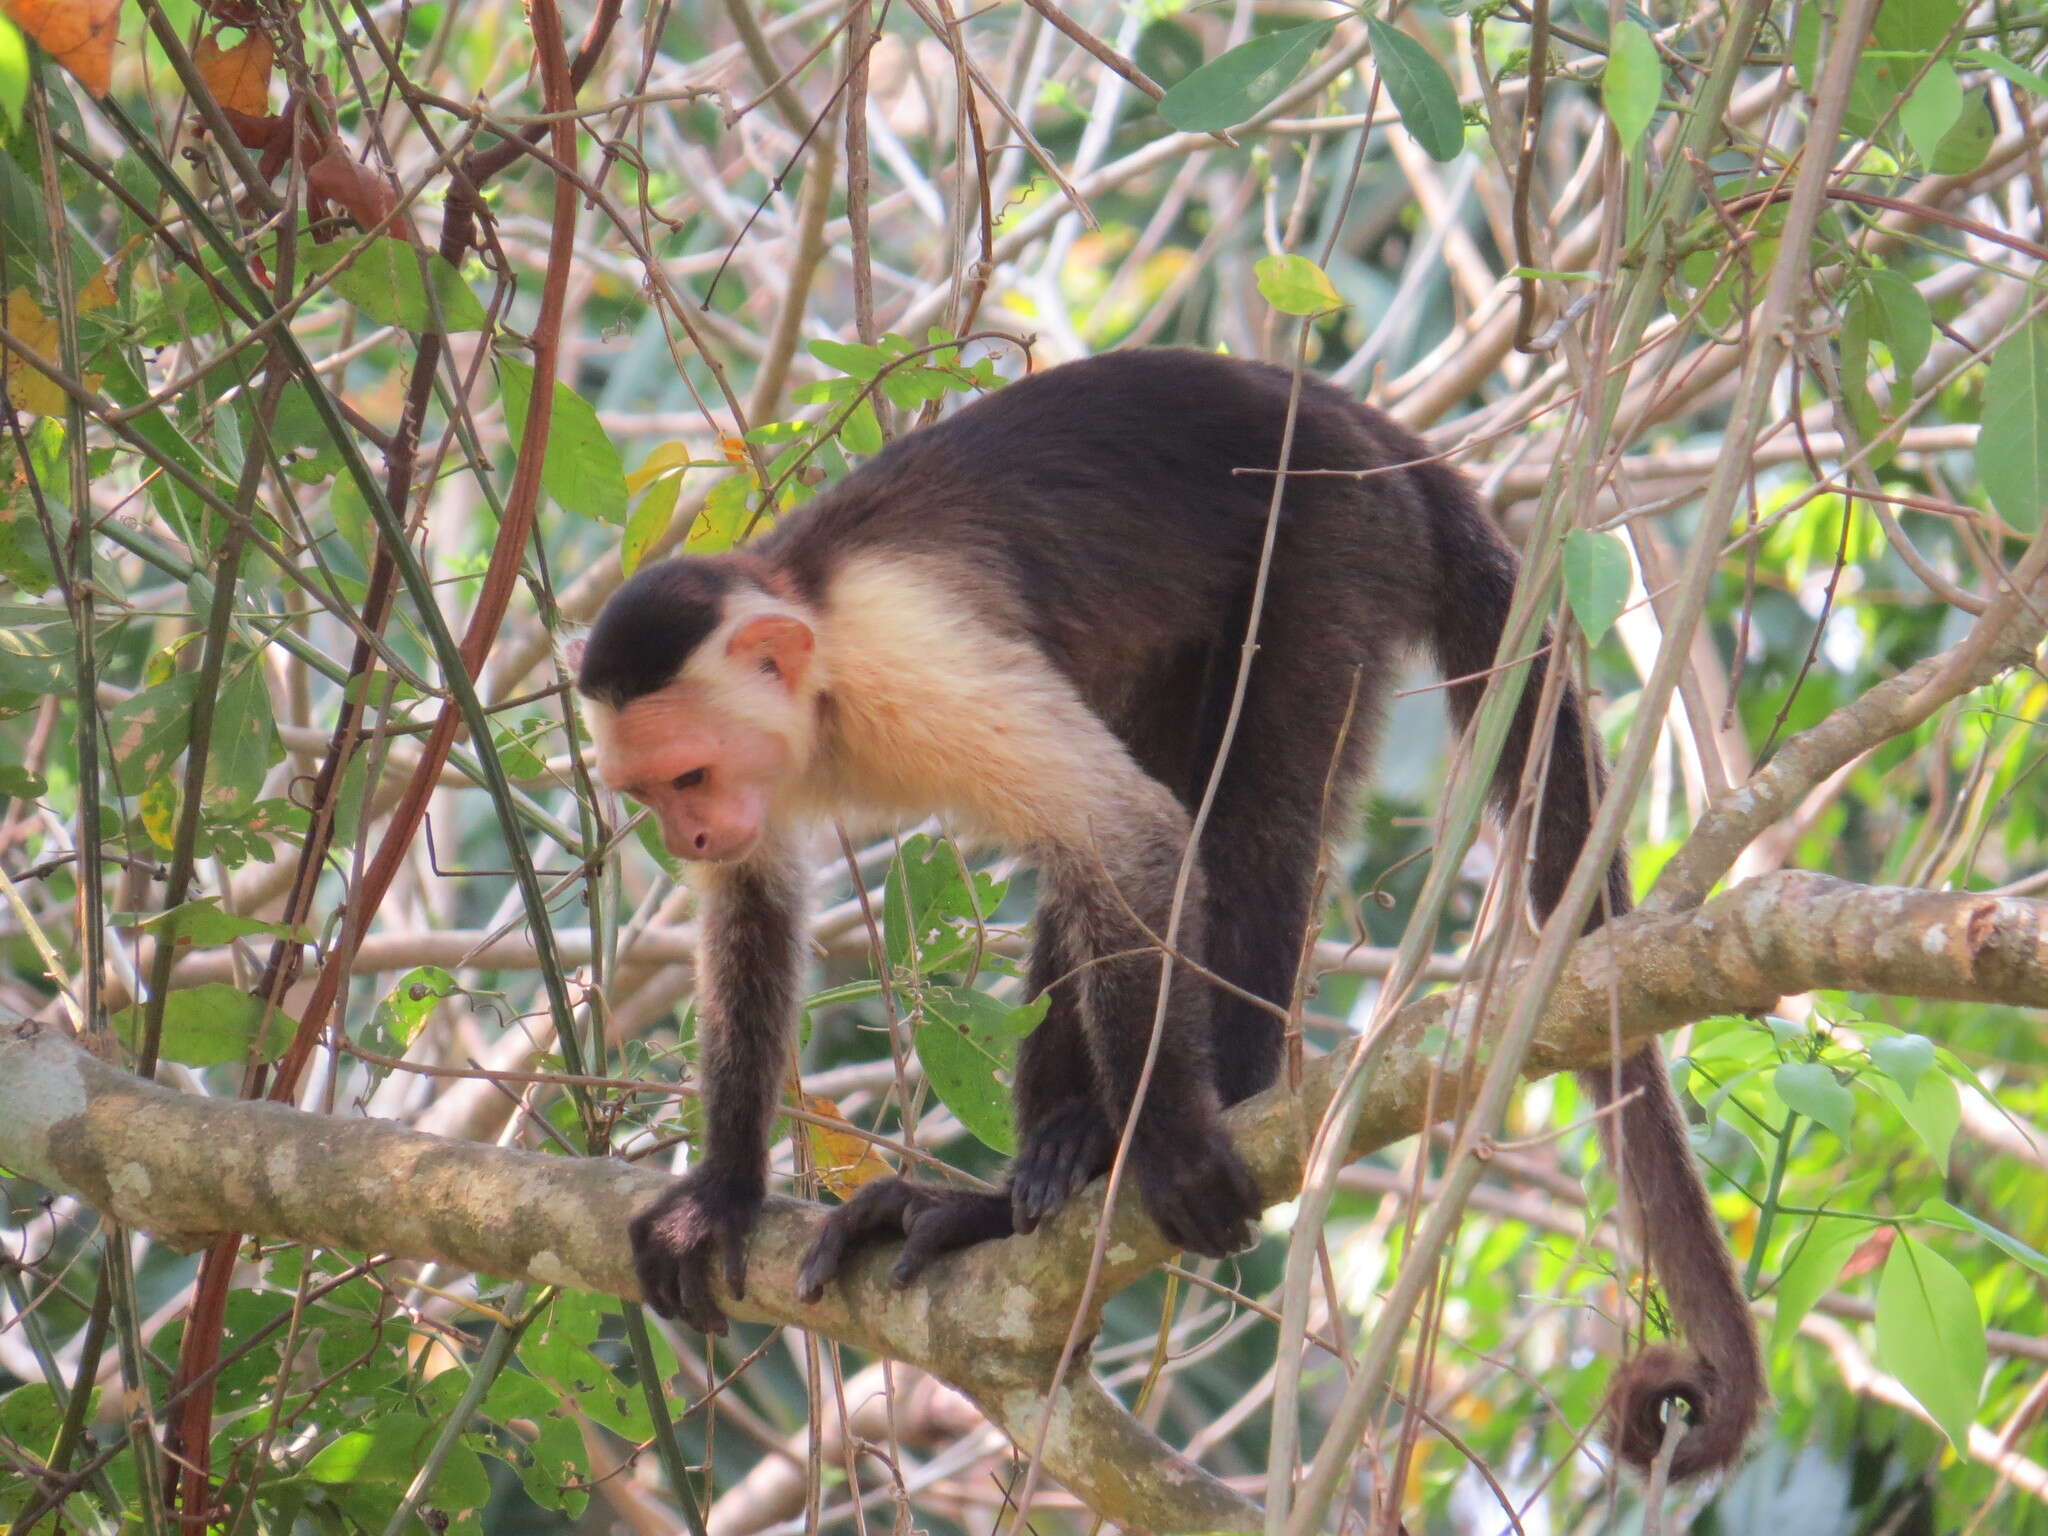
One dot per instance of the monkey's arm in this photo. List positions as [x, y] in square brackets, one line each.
[748, 973]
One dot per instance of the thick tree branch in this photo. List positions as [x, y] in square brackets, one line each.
[990, 1321]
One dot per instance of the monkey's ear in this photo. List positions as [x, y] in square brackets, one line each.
[776, 643]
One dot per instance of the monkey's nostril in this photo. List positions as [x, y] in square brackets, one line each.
[702, 841]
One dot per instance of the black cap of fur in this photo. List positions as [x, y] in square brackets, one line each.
[651, 626]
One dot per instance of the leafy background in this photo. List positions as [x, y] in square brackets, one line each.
[279, 280]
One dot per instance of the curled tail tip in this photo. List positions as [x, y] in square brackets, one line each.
[1723, 1408]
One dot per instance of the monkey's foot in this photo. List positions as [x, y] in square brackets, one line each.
[1198, 1190]
[1070, 1147]
[675, 1240]
[930, 1221]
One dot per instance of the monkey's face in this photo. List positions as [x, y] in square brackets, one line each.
[711, 753]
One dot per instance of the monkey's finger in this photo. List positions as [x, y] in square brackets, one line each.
[735, 1246]
[699, 1309]
[656, 1272]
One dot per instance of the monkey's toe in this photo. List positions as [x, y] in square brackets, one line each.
[879, 1211]
[1057, 1161]
[1204, 1201]
[946, 1221]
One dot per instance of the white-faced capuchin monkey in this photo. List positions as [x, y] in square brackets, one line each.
[1027, 619]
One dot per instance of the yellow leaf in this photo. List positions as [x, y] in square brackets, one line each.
[29, 390]
[665, 459]
[239, 77]
[845, 1160]
[79, 34]
[158, 804]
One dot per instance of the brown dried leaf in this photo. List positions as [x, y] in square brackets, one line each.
[844, 1160]
[239, 77]
[357, 190]
[79, 34]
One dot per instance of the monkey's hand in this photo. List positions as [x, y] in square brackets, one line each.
[675, 1239]
[1197, 1188]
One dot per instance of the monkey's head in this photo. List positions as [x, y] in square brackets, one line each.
[701, 699]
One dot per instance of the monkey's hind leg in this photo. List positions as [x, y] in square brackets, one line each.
[1063, 1139]
[931, 1222]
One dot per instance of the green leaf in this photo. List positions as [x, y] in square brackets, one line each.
[1632, 83]
[389, 1451]
[201, 922]
[1907, 325]
[966, 1045]
[1294, 285]
[1963, 147]
[149, 729]
[1934, 107]
[858, 362]
[2012, 444]
[582, 469]
[1823, 1250]
[861, 432]
[929, 915]
[1233, 87]
[1939, 1210]
[244, 743]
[13, 71]
[406, 1006]
[649, 522]
[718, 527]
[1814, 1091]
[20, 784]
[1999, 64]
[1596, 578]
[385, 282]
[37, 647]
[1933, 1109]
[212, 1025]
[1422, 92]
[1903, 1058]
[1930, 1336]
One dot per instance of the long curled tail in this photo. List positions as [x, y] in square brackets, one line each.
[1719, 1379]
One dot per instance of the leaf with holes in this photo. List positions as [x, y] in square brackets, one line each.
[966, 1048]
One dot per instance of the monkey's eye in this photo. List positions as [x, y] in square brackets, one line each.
[688, 780]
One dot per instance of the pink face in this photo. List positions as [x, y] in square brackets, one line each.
[710, 777]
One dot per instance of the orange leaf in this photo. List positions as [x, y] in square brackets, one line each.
[79, 34]
[735, 450]
[239, 77]
[845, 1160]
[29, 390]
